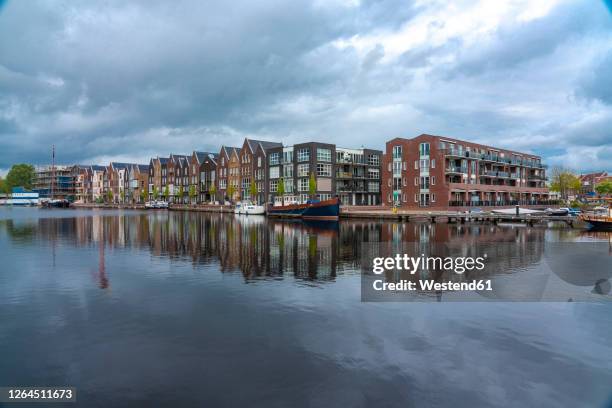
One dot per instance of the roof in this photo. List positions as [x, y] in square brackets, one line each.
[252, 143]
[229, 150]
[143, 168]
[96, 167]
[162, 160]
[201, 156]
[118, 165]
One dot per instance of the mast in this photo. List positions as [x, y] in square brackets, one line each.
[52, 171]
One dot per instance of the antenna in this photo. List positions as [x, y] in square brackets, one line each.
[52, 171]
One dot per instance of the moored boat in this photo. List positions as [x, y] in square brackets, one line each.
[327, 210]
[599, 220]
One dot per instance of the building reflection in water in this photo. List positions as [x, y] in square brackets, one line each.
[259, 248]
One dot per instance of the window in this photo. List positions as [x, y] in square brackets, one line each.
[416, 164]
[288, 185]
[259, 161]
[397, 168]
[424, 163]
[273, 185]
[303, 170]
[373, 187]
[324, 170]
[303, 155]
[433, 197]
[425, 182]
[374, 173]
[397, 183]
[416, 181]
[324, 155]
[274, 158]
[324, 197]
[397, 152]
[416, 198]
[433, 180]
[424, 149]
[288, 170]
[404, 166]
[288, 156]
[222, 184]
[374, 160]
[433, 163]
[303, 184]
[274, 172]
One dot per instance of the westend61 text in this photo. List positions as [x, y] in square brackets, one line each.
[431, 285]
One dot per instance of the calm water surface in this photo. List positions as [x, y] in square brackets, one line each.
[176, 309]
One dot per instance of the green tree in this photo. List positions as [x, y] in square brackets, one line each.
[181, 192]
[212, 191]
[109, 196]
[253, 190]
[155, 193]
[144, 194]
[230, 192]
[166, 193]
[280, 189]
[192, 193]
[564, 182]
[20, 175]
[312, 185]
[2, 186]
[122, 196]
[604, 188]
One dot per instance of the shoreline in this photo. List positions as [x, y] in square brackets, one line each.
[380, 214]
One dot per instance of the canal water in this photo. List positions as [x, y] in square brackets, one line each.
[193, 309]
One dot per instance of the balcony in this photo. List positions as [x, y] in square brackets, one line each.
[537, 177]
[456, 169]
[493, 173]
[344, 175]
[502, 203]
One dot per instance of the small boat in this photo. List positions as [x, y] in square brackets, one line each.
[559, 212]
[55, 203]
[601, 220]
[328, 210]
[155, 205]
[249, 208]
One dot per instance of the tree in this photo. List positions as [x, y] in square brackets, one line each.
[166, 193]
[564, 182]
[230, 192]
[2, 186]
[20, 175]
[192, 193]
[181, 192]
[253, 190]
[155, 193]
[312, 185]
[109, 196]
[122, 196]
[144, 194]
[604, 188]
[280, 189]
[213, 191]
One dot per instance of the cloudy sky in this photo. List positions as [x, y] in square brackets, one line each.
[130, 80]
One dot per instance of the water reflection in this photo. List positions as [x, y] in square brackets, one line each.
[261, 248]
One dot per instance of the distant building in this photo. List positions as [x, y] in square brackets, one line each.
[590, 180]
[20, 196]
[55, 182]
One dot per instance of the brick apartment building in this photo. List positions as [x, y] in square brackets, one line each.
[439, 173]
[208, 178]
[228, 172]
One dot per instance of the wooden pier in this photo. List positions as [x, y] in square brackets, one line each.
[459, 218]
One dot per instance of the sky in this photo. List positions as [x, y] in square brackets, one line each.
[127, 81]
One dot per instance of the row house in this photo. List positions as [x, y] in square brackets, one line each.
[208, 178]
[228, 173]
[253, 169]
[439, 172]
[114, 179]
[97, 182]
[196, 178]
[158, 177]
[178, 178]
[82, 183]
[137, 183]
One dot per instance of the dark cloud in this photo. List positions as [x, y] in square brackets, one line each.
[130, 80]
